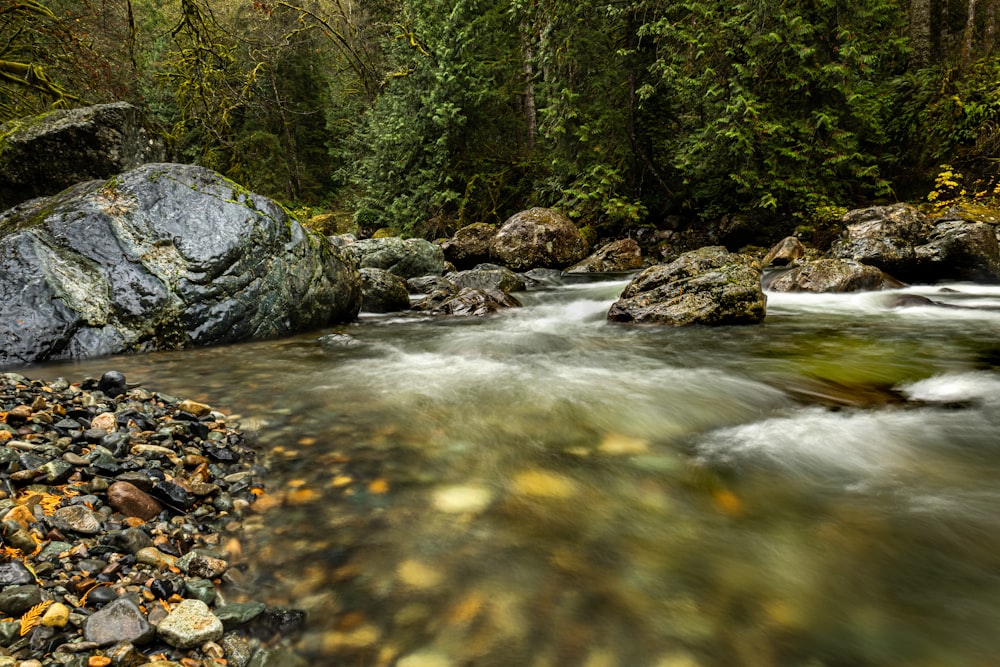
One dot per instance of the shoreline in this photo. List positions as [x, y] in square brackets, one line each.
[121, 514]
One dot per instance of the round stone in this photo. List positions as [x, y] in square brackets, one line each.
[132, 501]
[190, 624]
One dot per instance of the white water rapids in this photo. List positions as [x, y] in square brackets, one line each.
[543, 488]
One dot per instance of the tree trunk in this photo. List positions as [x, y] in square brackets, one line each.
[969, 36]
[530, 110]
[920, 32]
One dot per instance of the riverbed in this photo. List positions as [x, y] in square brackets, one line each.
[542, 488]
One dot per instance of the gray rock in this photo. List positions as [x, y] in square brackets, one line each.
[705, 286]
[14, 573]
[119, 621]
[383, 291]
[829, 275]
[190, 624]
[538, 238]
[45, 154]
[615, 257]
[202, 565]
[238, 613]
[960, 250]
[15, 600]
[884, 237]
[902, 241]
[201, 589]
[239, 649]
[164, 256]
[406, 258]
[428, 284]
[489, 278]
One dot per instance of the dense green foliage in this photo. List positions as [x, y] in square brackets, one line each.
[425, 115]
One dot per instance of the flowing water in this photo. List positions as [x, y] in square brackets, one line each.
[542, 488]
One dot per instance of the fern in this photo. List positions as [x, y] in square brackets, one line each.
[33, 617]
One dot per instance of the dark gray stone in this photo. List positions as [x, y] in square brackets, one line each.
[119, 621]
[383, 291]
[406, 258]
[164, 256]
[488, 277]
[15, 600]
[238, 613]
[14, 573]
[45, 154]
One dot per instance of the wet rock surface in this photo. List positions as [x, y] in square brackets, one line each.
[707, 286]
[44, 154]
[120, 524]
[161, 257]
[538, 238]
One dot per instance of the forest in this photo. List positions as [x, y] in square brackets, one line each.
[423, 116]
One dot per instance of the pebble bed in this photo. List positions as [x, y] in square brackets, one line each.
[121, 518]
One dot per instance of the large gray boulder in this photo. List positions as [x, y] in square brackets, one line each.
[959, 250]
[705, 286]
[406, 258]
[163, 256]
[911, 246]
[45, 154]
[829, 275]
[489, 277]
[884, 237]
[539, 238]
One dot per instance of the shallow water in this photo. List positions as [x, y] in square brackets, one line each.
[544, 488]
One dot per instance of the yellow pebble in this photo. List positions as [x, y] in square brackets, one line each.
[56, 616]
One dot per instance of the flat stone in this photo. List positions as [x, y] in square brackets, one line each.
[77, 519]
[239, 613]
[190, 624]
[195, 408]
[15, 600]
[119, 621]
[14, 573]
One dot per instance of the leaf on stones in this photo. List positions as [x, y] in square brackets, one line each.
[33, 617]
[10, 553]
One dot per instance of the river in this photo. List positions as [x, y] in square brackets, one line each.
[543, 489]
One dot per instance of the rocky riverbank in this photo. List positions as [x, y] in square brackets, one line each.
[122, 512]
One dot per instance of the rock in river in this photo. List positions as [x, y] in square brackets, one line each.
[538, 238]
[705, 286]
[163, 256]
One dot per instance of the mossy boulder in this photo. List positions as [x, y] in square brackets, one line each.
[539, 238]
[45, 154]
[163, 256]
[705, 286]
[829, 275]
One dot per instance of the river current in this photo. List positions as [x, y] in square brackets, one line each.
[542, 488]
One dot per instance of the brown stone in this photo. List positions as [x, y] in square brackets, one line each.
[132, 501]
